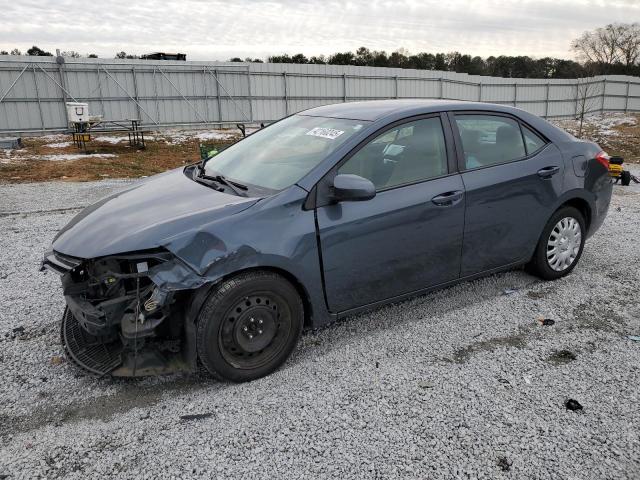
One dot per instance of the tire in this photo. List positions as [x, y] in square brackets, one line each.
[248, 326]
[568, 249]
[625, 178]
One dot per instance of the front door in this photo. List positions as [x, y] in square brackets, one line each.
[409, 236]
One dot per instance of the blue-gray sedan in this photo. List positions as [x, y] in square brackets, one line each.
[325, 213]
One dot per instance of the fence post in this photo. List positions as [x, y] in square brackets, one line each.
[249, 93]
[35, 84]
[155, 91]
[515, 94]
[100, 90]
[60, 61]
[206, 95]
[546, 100]
[215, 75]
[395, 78]
[604, 93]
[286, 95]
[480, 91]
[441, 88]
[135, 94]
[577, 97]
[626, 99]
[344, 87]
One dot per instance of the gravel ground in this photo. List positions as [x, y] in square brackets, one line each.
[464, 382]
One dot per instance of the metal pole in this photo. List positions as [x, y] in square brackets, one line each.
[604, 93]
[344, 87]
[35, 84]
[206, 95]
[64, 93]
[626, 99]
[441, 87]
[135, 93]
[215, 76]
[249, 94]
[480, 92]
[546, 102]
[515, 94]
[155, 90]
[100, 91]
[577, 97]
[395, 78]
[286, 95]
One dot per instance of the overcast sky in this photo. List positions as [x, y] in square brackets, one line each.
[218, 30]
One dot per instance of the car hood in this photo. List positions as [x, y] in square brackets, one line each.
[146, 216]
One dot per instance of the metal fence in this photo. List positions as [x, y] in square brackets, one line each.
[33, 91]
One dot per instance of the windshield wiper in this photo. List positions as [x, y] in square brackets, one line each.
[237, 188]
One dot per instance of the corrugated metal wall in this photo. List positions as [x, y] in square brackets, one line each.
[33, 91]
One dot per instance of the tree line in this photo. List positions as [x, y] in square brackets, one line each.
[612, 49]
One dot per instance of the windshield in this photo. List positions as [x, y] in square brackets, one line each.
[280, 155]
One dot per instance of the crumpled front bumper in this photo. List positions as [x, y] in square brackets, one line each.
[106, 336]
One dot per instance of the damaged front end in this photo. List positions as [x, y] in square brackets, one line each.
[124, 316]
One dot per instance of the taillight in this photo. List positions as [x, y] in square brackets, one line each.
[603, 158]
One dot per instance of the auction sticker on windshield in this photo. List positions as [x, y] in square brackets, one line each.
[329, 133]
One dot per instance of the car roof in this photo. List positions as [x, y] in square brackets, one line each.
[376, 109]
[392, 110]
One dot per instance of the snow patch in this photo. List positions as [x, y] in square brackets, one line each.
[176, 137]
[73, 156]
[112, 140]
[59, 145]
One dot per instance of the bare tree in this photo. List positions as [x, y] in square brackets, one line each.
[588, 90]
[629, 44]
[605, 46]
[70, 54]
[599, 46]
[15, 51]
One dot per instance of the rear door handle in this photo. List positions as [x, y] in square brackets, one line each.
[447, 199]
[548, 172]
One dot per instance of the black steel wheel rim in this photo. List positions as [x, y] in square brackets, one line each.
[255, 330]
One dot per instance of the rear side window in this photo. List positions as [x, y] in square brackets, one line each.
[532, 140]
[489, 140]
[409, 153]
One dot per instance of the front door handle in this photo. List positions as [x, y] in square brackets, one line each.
[448, 199]
[548, 172]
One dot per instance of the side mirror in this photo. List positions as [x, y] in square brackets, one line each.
[352, 188]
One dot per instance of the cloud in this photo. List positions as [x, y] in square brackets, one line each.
[210, 30]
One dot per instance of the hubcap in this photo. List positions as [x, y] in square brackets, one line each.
[255, 330]
[564, 243]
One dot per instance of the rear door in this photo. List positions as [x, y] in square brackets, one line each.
[513, 179]
[409, 236]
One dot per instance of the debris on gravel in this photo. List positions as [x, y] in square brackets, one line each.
[572, 405]
[354, 399]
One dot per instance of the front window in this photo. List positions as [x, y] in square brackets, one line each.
[410, 153]
[280, 155]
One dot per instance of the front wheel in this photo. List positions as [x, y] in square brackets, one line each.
[249, 326]
[560, 245]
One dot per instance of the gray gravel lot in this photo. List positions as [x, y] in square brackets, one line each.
[464, 382]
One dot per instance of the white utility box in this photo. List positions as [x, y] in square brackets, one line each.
[77, 112]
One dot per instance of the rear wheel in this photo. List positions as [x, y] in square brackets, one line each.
[560, 245]
[249, 326]
[625, 178]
